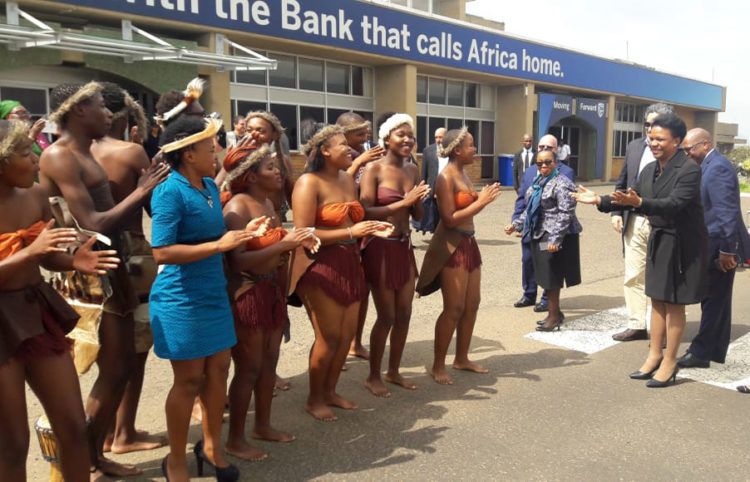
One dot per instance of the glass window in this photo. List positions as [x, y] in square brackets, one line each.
[285, 74]
[455, 93]
[473, 127]
[434, 124]
[311, 74]
[472, 94]
[358, 80]
[256, 77]
[400, 2]
[423, 139]
[287, 114]
[455, 124]
[436, 90]
[618, 112]
[421, 88]
[337, 78]
[310, 119]
[35, 100]
[334, 114]
[423, 5]
[487, 138]
[244, 107]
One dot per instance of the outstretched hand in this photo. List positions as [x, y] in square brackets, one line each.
[154, 175]
[627, 198]
[88, 261]
[586, 196]
[489, 193]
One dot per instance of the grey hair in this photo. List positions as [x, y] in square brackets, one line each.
[658, 108]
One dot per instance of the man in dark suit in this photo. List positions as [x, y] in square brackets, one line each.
[728, 239]
[528, 278]
[431, 167]
[635, 230]
[522, 160]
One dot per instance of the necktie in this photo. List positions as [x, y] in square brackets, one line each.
[526, 162]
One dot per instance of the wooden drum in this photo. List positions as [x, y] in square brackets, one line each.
[48, 446]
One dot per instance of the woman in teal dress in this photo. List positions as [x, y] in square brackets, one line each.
[189, 306]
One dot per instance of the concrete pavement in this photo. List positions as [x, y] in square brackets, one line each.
[544, 412]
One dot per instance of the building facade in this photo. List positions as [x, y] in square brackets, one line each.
[427, 58]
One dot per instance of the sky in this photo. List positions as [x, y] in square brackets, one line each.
[704, 40]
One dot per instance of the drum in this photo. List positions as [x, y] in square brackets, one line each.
[48, 447]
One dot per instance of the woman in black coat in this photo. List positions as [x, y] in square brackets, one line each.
[668, 192]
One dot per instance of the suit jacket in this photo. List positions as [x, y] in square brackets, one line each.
[629, 172]
[430, 165]
[518, 168]
[722, 211]
[528, 179]
[676, 258]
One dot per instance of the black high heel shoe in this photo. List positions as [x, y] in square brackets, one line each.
[639, 375]
[550, 325]
[230, 473]
[164, 468]
[543, 321]
[654, 383]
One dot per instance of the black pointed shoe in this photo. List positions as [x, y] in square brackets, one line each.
[523, 303]
[688, 360]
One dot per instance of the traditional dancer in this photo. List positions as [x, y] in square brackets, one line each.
[333, 285]
[257, 289]
[390, 191]
[34, 318]
[123, 162]
[452, 262]
[357, 133]
[68, 169]
[189, 307]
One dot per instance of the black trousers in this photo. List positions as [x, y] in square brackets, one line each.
[712, 341]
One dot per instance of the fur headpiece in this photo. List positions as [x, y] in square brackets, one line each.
[268, 117]
[84, 93]
[132, 108]
[212, 127]
[447, 150]
[313, 145]
[240, 167]
[356, 127]
[192, 93]
[17, 132]
[394, 122]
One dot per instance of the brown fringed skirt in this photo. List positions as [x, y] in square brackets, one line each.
[466, 255]
[337, 270]
[262, 306]
[33, 323]
[389, 261]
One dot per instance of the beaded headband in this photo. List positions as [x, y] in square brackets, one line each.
[253, 158]
[313, 145]
[447, 150]
[268, 117]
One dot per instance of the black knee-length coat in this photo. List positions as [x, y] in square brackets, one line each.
[678, 246]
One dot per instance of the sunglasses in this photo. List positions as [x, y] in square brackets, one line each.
[648, 125]
[544, 163]
[542, 147]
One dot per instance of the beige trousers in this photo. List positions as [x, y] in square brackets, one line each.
[636, 242]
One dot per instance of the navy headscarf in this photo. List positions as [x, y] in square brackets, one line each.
[534, 204]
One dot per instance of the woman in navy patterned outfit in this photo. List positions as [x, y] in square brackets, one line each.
[189, 306]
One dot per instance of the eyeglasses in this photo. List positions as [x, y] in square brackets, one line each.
[687, 149]
[547, 162]
[542, 147]
[648, 125]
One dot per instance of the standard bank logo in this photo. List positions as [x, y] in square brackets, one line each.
[600, 109]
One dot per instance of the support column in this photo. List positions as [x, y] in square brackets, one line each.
[396, 90]
[217, 97]
[609, 142]
[514, 116]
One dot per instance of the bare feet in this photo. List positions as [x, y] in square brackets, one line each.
[336, 400]
[359, 351]
[470, 366]
[142, 441]
[282, 384]
[110, 467]
[377, 387]
[397, 379]
[245, 451]
[272, 435]
[441, 376]
[321, 412]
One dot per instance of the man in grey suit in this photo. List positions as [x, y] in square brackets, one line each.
[431, 167]
[635, 230]
[522, 160]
